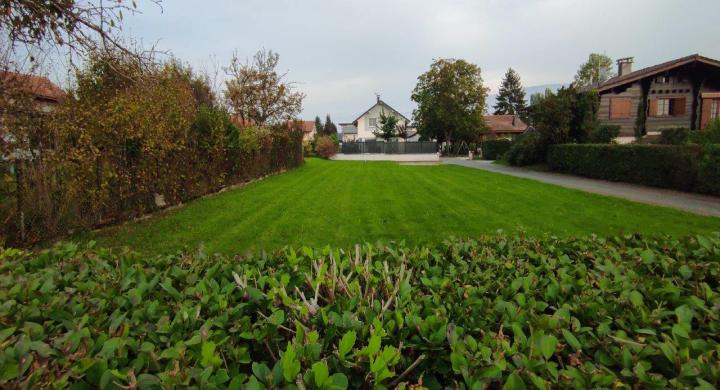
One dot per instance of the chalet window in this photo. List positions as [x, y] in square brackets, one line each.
[620, 108]
[714, 108]
[372, 122]
[668, 106]
[677, 106]
[663, 107]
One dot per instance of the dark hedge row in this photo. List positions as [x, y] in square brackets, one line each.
[494, 149]
[687, 168]
[622, 312]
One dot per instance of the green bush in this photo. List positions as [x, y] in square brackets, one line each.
[603, 134]
[710, 135]
[709, 170]
[548, 313]
[654, 165]
[494, 149]
[307, 148]
[674, 136]
[529, 148]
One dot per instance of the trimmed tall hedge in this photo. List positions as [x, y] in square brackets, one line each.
[622, 312]
[667, 166]
[494, 149]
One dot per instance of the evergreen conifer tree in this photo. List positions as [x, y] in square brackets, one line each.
[511, 98]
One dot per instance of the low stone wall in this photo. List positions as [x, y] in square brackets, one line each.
[425, 157]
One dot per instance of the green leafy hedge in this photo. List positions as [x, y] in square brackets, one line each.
[709, 135]
[603, 134]
[494, 149]
[527, 149]
[674, 136]
[709, 170]
[619, 312]
[654, 165]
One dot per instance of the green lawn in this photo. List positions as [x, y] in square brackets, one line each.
[342, 203]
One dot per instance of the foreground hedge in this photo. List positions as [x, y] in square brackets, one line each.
[622, 312]
[687, 168]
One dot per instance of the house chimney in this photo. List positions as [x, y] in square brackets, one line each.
[624, 66]
[377, 96]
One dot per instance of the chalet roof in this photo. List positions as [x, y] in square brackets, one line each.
[39, 86]
[379, 102]
[655, 69]
[505, 124]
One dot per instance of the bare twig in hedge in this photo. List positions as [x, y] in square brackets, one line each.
[311, 305]
[241, 282]
[279, 326]
[267, 346]
[408, 370]
[387, 305]
[624, 341]
[334, 274]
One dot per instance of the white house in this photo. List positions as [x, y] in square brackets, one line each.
[362, 128]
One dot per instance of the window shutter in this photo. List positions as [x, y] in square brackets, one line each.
[679, 106]
[705, 115]
[652, 107]
[620, 108]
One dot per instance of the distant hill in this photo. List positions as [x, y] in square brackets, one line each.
[490, 102]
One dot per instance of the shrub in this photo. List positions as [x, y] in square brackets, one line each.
[654, 165]
[556, 313]
[709, 170]
[307, 148]
[494, 149]
[674, 136]
[710, 135]
[603, 134]
[529, 148]
[326, 147]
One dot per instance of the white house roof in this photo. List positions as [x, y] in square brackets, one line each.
[380, 103]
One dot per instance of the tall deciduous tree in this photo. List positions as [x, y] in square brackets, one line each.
[451, 101]
[330, 128]
[597, 69]
[511, 98]
[258, 93]
[566, 116]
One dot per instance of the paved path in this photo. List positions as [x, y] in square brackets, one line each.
[424, 157]
[694, 203]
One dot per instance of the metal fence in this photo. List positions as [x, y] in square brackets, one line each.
[419, 147]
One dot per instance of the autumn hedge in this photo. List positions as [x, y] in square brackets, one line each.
[129, 140]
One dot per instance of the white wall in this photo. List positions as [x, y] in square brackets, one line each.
[364, 130]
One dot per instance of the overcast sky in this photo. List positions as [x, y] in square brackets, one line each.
[341, 52]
